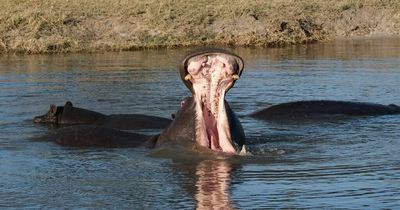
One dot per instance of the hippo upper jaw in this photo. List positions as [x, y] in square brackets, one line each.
[209, 75]
[235, 62]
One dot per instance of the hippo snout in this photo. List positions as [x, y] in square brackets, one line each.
[38, 119]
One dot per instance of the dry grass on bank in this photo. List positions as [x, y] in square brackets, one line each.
[37, 26]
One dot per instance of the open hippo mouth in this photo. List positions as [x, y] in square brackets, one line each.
[209, 75]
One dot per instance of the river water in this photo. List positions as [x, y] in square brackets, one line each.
[332, 163]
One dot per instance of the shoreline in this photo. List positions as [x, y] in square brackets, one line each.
[58, 26]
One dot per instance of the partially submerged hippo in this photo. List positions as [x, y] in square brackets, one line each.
[95, 136]
[70, 115]
[204, 121]
[302, 110]
[133, 122]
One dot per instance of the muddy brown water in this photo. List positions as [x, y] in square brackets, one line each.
[334, 163]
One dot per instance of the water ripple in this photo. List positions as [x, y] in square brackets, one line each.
[337, 163]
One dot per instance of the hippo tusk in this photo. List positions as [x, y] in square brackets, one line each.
[188, 77]
[244, 151]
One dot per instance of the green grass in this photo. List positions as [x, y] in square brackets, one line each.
[54, 26]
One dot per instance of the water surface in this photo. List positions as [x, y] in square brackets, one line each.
[335, 163]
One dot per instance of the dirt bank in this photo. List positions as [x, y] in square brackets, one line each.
[36, 26]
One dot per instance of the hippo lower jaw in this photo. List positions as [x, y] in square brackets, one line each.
[211, 124]
[211, 75]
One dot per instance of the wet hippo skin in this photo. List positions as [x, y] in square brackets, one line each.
[70, 115]
[302, 110]
[95, 136]
[133, 121]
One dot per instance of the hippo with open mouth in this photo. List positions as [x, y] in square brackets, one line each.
[205, 120]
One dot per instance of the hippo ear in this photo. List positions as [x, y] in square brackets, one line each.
[68, 103]
[53, 109]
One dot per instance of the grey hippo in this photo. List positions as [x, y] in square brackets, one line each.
[68, 114]
[71, 115]
[314, 109]
[205, 121]
[206, 118]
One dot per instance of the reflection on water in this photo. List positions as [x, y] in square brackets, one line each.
[212, 185]
[350, 163]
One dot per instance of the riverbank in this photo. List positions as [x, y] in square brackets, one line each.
[57, 26]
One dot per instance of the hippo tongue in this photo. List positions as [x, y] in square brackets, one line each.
[211, 128]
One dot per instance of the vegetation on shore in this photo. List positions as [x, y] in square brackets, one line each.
[53, 26]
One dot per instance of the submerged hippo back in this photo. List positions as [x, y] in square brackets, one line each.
[319, 108]
[133, 121]
[94, 136]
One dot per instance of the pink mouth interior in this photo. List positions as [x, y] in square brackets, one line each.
[211, 128]
[211, 76]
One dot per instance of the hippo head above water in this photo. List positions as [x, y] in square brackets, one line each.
[68, 114]
[52, 115]
[218, 66]
[206, 118]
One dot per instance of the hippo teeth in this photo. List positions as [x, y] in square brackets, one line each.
[235, 77]
[188, 77]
